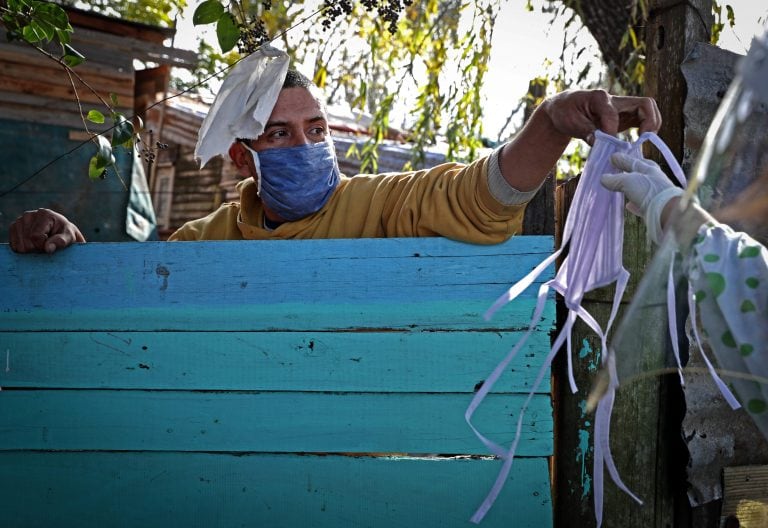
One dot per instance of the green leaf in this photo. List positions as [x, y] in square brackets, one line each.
[51, 14]
[208, 12]
[94, 116]
[72, 57]
[37, 32]
[18, 5]
[227, 32]
[64, 36]
[104, 158]
[113, 98]
[95, 172]
[123, 131]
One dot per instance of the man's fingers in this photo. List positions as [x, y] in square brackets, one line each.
[17, 241]
[601, 106]
[28, 232]
[69, 234]
[59, 241]
[41, 226]
[42, 230]
[579, 113]
[640, 112]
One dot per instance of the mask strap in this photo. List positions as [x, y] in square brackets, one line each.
[724, 390]
[257, 164]
[521, 285]
[509, 455]
[672, 319]
[602, 457]
[677, 170]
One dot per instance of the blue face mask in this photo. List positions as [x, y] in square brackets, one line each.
[295, 182]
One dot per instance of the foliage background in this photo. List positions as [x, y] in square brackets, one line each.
[421, 66]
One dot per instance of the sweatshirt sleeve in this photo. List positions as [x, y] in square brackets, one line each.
[500, 189]
[728, 274]
[451, 200]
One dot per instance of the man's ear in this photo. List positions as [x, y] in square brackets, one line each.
[242, 159]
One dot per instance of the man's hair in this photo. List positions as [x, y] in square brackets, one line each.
[294, 79]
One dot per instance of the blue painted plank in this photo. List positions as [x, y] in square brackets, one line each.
[156, 280]
[266, 421]
[224, 328]
[128, 490]
[410, 316]
[448, 361]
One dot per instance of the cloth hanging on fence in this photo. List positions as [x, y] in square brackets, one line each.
[593, 236]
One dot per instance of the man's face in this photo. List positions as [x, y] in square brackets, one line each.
[297, 119]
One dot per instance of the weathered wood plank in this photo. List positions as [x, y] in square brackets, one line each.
[50, 72]
[61, 91]
[100, 47]
[262, 351]
[126, 490]
[268, 285]
[321, 361]
[266, 421]
[745, 496]
[11, 52]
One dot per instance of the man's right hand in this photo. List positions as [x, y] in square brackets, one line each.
[43, 231]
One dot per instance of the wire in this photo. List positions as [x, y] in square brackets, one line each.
[213, 75]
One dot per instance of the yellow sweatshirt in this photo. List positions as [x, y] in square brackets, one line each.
[451, 200]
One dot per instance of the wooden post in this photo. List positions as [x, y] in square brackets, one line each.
[647, 414]
[539, 216]
[673, 30]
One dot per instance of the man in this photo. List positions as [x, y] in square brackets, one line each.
[293, 188]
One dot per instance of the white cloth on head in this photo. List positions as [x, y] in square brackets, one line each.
[244, 102]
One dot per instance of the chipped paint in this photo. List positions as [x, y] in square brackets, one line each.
[584, 448]
[586, 478]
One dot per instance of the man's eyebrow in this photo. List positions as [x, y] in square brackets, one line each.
[314, 119]
[271, 124]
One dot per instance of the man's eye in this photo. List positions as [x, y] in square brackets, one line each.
[279, 134]
[319, 131]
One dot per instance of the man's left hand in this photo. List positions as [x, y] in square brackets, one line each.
[578, 113]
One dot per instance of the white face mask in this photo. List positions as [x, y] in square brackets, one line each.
[594, 237]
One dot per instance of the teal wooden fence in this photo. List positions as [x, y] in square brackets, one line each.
[285, 383]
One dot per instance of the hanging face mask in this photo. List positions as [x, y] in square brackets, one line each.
[295, 182]
[594, 235]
